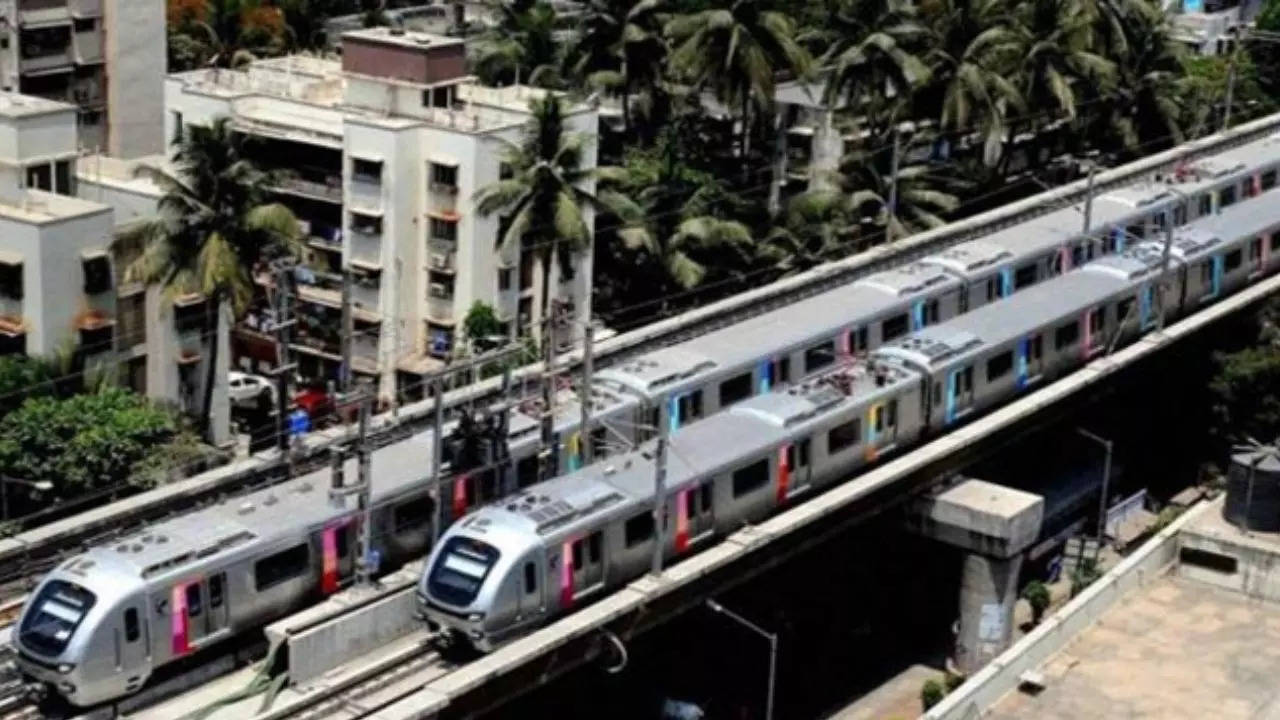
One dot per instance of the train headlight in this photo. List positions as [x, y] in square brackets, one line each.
[475, 617]
[66, 668]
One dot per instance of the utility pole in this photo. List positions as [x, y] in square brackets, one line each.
[584, 394]
[548, 391]
[284, 323]
[437, 449]
[1164, 271]
[659, 497]
[364, 455]
[1088, 197]
[337, 488]
[1231, 78]
[348, 332]
[893, 187]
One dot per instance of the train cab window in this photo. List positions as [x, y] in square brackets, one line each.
[194, 606]
[735, 389]
[131, 629]
[638, 529]
[999, 366]
[1206, 204]
[842, 437]
[1227, 197]
[819, 356]
[530, 579]
[216, 589]
[460, 570]
[51, 619]
[1025, 275]
[280, 567]
[1268, 180]
[1233, 260]
[1066, 335]
[893, 327]
[751, 477]
[858, 337]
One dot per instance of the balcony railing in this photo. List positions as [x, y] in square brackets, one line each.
[46, 58]
[314, 186]
[85, 8]
[439, 309]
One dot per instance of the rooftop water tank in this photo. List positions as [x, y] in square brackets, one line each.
[1258, 509]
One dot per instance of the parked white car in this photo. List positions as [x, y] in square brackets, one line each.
[244, 389]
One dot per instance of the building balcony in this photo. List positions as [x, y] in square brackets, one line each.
[442, 199]
[442, 256]
[38, 13]
[44, 60]
[440, 310]
[311, 184]
[81, 9]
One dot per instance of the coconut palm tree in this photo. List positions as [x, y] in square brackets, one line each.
[924, 194]
[818, 226]
[971, 48]
[214, 224]
[1148, 104]
[619, 48]
[736, 48]
[522, 46]
[546, 194]
[871, 50]
[1058, 55]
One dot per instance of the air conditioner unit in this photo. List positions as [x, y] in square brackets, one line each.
[439, 261]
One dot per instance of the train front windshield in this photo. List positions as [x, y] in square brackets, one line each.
[54, 615]
[460, 570]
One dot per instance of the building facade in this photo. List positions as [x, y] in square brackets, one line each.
[104, 56]
[380, 155]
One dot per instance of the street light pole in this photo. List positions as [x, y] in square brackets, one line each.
[1106, 480]
[5, 481]
[773, 648]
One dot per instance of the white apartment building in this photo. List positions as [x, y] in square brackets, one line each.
[61, 271]
[1209, 27]
[104, 56]
[385, 150]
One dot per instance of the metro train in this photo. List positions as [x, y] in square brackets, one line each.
[515, 564]
[99, 625]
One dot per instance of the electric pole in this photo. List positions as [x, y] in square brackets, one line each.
[284, 323]
[548, 391]
[1088, 198]
[364, 455]
[584, 395]
[1231, 77]
[659, 497]
[437, 449]
[893, 187]
[348, 331]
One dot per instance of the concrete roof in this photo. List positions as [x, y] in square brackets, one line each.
[15, 105]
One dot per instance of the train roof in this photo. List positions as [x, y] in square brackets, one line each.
[1241, 218]
[790, 326]
[968, 258]
[169, 545]
[1009, 319]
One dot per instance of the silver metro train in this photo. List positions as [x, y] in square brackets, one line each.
[102, 623]
[513, 565]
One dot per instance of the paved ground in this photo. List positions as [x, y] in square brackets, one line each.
[896, 699]
[1173, 650]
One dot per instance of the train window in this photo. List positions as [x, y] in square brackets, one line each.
[999, 366]
[782, 369]
[931, 312]
[858, 338]
[704, 494]
[937, 393]
[131, 629]
[1123, 309]
[1180, 215]
[1066, 335]
[819, 356]
[751, 477]
[215, 589]
[638, 529]
[281, 567]
[527, 470]
[1268, 179]
[735, 389]
[593, 549]
[1275, 241]
[893, 413]
[798, 454]
[1035, 348]
[1135, 232]
[600, 442]
[1233, 260]
[1255, 249]
[965, 385]
[1206, 272]
[1025, 275]
[690, 406]
[992, 289]
[1227, 197]
[340, 542]
[1095, 321]
[1206, 204]
[893, 327]
[530, 579]
[1077, 256]
[414, 514]
[844, 436]
[577, 555]
[194, 606]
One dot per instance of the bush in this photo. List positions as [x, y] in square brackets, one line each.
[1037, 596]
[953, 681]
[1084, 576]
[931, 693]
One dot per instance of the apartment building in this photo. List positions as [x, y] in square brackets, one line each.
[382, 153]
[61, 271]
[104, 56]
[1209, 27]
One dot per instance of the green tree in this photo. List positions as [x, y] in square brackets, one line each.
[871, 50]
[225, 33]
[736, 48]
[619, 48]
[546, 194]
[522, 46]
[1265, 55]
[1037, 596]
[81, 443]
[818, 226]
[923, 192]
[214, 226]
[931, 693]
[481, 324]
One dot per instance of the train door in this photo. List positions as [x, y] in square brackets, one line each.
[133, 643]
[338, 564]
[217, 615]
[793, 470]
[1146, 306]
[695, 518]
[1094, 333]
[531, 598]
[683, 409]
[1030, 364]
[586, 559]
[1256, 265]
[959, 400]
[774, 372]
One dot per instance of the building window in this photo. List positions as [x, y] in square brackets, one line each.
[439, 339]
[97, 273]
[505, 172]
[366, 224]
[440, 290]
[11, 280]
[442, 229]
[281, 567]
[40, 177]
[63, 179]
[13, 343]
[444, 177]
[504, 279]
[369, 171]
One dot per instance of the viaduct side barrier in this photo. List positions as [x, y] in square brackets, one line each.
[36, 549]
[581, 637]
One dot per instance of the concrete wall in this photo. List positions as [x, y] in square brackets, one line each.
[1257, 575]
[136, 57]
[988, 685]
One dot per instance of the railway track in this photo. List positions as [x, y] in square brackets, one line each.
[31, 558]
